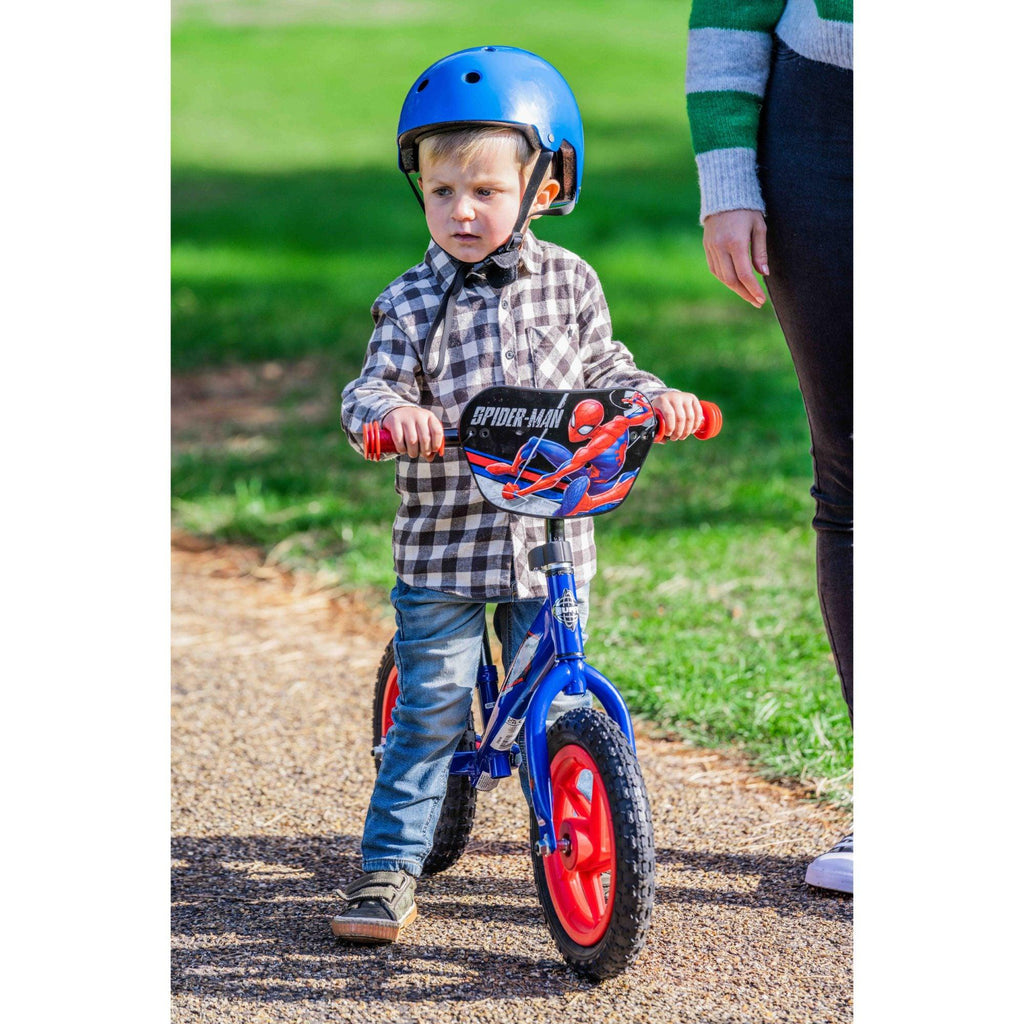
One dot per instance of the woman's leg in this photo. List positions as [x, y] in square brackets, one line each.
[805, 158]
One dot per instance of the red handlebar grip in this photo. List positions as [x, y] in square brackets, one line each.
[659, 436]
[712, 422]
[377, 441]
[709, 428]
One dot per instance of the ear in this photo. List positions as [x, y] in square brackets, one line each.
[546, 195]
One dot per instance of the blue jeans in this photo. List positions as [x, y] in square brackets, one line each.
[437, 653]
[805, 159]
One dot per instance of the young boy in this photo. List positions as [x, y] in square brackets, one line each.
[495, 136]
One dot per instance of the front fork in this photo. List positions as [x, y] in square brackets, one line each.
[555, 664]
[569, 674]
[574, 676]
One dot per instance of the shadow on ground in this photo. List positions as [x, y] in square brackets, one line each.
[250, 920]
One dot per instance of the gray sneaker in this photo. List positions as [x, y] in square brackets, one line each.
[833, 870]
[379, 905]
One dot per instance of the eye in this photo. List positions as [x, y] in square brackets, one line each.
[585, 429]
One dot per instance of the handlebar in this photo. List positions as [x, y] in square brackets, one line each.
[377, 440]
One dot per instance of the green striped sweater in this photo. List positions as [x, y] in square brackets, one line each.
[730, 45]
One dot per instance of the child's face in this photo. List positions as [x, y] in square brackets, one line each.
[471, 208]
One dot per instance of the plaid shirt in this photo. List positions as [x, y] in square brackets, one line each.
[548, 329]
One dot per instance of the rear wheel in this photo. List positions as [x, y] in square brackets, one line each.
[455, 822]
[597, 889]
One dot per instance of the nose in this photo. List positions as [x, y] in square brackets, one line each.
[463, 209]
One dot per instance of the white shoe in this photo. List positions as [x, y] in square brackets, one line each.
[833, 870]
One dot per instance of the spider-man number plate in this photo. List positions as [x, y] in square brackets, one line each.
[556, 454]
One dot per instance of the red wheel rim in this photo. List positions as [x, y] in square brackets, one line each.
[581, 875]
[388, 704]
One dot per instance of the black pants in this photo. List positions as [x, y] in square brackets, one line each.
[805, 159]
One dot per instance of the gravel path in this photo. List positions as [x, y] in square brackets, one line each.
[272, 683]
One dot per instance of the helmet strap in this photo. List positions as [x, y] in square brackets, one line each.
[415, 191]
[500, 268]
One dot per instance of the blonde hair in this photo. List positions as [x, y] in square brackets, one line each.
[466, 144]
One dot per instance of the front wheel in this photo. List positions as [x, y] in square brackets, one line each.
[455, 821]
[597, 889]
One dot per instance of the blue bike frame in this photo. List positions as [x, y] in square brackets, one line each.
[549, 661]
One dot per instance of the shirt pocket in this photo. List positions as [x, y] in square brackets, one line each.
[555, 356]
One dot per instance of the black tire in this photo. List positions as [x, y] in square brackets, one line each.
[455, 822]
[606, 944]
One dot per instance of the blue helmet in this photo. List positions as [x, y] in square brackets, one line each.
[498, 85]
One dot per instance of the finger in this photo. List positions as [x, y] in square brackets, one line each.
[397, 435]
[719, 263]
[726, 273]
[731, 280]
[744, 284]
[685, 427]
[747, 285]
[681, 430]
[685, 420]
[694, 417]
[668, 415]
[759, 246]
[711, 256]
[685, 423]
[436, 435]
[423, 438]
[412, 442]
[682, 415]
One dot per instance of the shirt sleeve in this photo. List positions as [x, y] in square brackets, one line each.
[727, 65]
[389, 378]
[607, 362]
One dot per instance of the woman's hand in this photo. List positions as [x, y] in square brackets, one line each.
[735, 242]
[416, 432]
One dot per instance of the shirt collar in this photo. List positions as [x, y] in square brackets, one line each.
[441, 264]
[444, 266]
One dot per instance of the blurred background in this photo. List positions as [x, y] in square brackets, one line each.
[289, 216]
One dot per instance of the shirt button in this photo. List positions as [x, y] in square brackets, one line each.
[504, 303]
[509, 355]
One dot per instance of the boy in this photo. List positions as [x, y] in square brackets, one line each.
[496, 138]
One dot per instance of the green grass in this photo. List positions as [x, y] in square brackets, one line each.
[289, 216]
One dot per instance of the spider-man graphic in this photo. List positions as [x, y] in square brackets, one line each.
[594, 471]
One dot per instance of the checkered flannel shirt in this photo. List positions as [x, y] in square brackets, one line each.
[548, 329]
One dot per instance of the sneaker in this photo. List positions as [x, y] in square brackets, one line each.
[833, 870]
[380, 905]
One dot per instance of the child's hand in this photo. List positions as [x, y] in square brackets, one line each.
[681, 412]
[415, 431]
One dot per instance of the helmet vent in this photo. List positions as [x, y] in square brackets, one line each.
[471, 77]
[423, 85]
